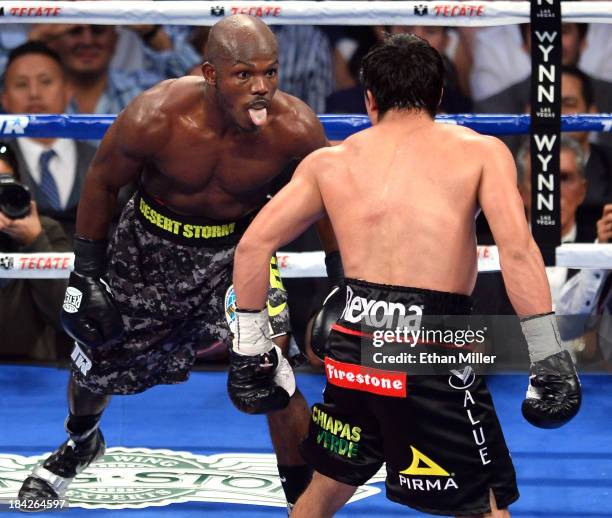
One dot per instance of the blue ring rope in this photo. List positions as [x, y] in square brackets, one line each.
[337, 127]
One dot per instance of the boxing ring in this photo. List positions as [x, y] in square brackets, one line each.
[203, 456]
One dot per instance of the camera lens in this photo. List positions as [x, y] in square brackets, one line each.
[14, 198]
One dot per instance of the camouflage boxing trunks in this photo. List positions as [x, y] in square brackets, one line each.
[170, 276]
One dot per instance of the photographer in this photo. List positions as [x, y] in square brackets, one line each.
[29, 308]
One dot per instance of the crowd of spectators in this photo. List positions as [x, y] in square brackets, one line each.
[58, 68]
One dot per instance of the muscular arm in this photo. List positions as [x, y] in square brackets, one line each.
[520, 259]
[137, 134]
[297, 206]
[314, 138]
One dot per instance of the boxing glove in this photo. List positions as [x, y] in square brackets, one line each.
[89, 314]
[260, 380]
[332, 307]
[554, 394]
[324, 318]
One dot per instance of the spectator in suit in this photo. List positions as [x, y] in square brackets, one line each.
[30, 308]
[489, 294]
[53, 169]
[577, 97]
[586, 299]
[573, 187]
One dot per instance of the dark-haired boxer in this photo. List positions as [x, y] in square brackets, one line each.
[402, 197]
[207, 154]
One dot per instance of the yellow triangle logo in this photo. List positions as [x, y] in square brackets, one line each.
[423, 465]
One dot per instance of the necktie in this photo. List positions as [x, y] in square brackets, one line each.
[47, 182]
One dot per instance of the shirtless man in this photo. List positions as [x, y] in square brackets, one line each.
[207, 153]
[397, 194]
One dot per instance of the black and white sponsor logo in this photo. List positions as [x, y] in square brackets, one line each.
[137, 478]
[72, 300]
[80, 359]
[380, 313]
[217, 10]
[6, 262]
[421, 10]
[13, 124]
[463, 380]
[545, 178]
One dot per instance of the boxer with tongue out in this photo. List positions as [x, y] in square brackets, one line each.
[206, 153]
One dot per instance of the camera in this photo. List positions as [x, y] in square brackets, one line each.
[14, 197]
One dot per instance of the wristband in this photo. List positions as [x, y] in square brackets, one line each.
[90, 256]
[542, 336]
[252, 333]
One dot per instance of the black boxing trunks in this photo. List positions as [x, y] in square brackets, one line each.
[171, 297]
[438, 434]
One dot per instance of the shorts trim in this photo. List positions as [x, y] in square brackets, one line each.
[187, 230]
[501, 504]
[407, 289]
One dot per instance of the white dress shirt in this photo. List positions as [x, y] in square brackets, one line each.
[62, 165]
[557, 275]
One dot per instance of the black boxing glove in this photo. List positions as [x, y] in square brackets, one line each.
[325, 318]
[554, 394]
[260, 379]
[89, 314]
[332, 307]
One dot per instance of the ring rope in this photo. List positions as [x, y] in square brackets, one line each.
[469, 14]
[299, 264]
[337, 127]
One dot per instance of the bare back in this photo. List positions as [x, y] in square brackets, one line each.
[402, 200]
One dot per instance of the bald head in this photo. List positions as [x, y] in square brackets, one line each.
[238, 38]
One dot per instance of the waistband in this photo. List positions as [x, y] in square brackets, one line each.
[374, 305]
[188, 230]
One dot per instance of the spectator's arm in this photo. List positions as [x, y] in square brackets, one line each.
[48, 294]
[604, 225]
[175, 57]
[579, 295]
[578, 302]
[463, 58]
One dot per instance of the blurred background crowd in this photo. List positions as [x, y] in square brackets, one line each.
[99, 69]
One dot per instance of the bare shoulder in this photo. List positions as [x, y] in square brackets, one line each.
[481, 147]
[324, 162]
[145, 124]
[300, 124]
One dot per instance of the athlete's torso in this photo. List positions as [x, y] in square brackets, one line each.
[403, 205]
[223, 175]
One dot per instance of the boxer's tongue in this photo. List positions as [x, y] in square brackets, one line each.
[258, 116]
